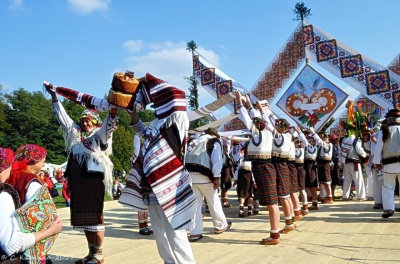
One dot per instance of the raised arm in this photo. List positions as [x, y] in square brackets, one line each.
[61, 115]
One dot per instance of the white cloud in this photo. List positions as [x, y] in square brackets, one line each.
[133, 46]
[5, 86]
[171, 62]
[16, 4]
[89, 6]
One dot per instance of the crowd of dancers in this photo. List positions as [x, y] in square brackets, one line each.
[278, 166]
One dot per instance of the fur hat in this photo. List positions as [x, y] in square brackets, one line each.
[212, 131]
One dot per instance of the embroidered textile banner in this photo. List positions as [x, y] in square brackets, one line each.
[394, 65]
[281, 68]
[216, 82]
[361, 73]
[211, 107]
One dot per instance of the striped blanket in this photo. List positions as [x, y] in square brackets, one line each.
[163, 156]
[132, 193]
[86, 100]
[170, 182]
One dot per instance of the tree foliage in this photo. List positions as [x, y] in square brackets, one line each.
[193, 97]
[301, 11]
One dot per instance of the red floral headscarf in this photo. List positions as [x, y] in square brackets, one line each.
[6, 158]
[31, 153]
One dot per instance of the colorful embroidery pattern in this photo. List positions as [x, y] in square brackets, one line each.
[396, 100]
[351, 65]
[224, 87]
[326, 50]
[364, 74]
[234, 124]
[308, 33]
[395, 69]
[196, 63]
[35, 215]
[207, 76]
[281, 69]
[377, 82]
[212, 81]
[394, 65]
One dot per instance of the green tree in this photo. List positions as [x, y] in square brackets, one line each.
[193, 97]
[31, 120]
[301, 11]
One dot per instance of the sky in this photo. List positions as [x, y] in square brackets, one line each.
[80, 44]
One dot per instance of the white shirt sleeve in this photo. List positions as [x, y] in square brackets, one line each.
[216, 160]
[303, 139]
[245, 117]
[269, 121]
[318, 140]
[63, 118]
[378, 149]
[12, 240]
[360, 149]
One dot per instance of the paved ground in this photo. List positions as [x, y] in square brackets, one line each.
[344, 232]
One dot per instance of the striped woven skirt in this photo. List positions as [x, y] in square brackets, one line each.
[301, 176]
[282, 178]
[311, 174]
[324, 172]
[265, 176]
[294, 184]
[244, 187]
[87, 197]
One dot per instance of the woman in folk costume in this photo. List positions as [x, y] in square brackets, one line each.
[161, 182]
[301, 173]
[259, 152]
[324, 163]
[310, 158]
[89, 171]
[244, 182]
[281, 145]
[29, 160]
[22, 185]
[294, 181]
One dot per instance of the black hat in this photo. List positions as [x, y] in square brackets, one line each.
[212, 131]
[393, 113]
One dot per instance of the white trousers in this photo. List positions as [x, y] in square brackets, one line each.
[377, 183]
[173, 245]
[368, 181]
[389, 184]
[352, 173]
[214, 205]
